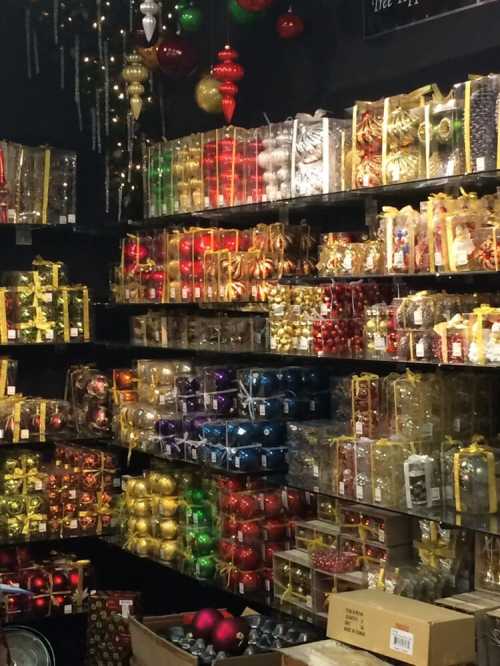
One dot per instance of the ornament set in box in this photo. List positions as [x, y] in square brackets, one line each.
[256, 520]
[210, 331]
[203, 265]
[58, 585]
[89, 393]
[38, 185]
[108, 636]
[41, 306]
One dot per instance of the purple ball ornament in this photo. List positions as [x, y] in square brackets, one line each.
[187, 384]
[168, 427]
[224, 403]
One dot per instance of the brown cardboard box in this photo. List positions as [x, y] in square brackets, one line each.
[476, 604]
[149, 649]
[410, 631]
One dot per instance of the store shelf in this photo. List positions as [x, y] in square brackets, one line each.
[224, 307]
[73, 439]
[293, 357]
[43, 345]
[346, 198]
[488, 524]
[311, 280]
[45, 538]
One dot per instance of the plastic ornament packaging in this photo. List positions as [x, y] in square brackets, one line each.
[418, 472]
[150, 9]
[475, 473]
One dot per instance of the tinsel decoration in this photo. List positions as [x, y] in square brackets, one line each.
[27, 31]
[78, 101]
[55, 21]
[106, 87]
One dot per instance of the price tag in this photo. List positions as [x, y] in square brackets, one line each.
[481, 164]
[25, 433]
[72, 494]
[262, 410]
[42, 528]
[359, 427]
[438, 258]
[273, 343]
[347, 262]
[168, 449]
[161, 399]
[240, 536]
[316, 471]
[73, 524]
[221, 200]
[420, 349]
[401, 641]
[47, 297]
[312, 406]
[241, 588]
[210, 292]
[207, 202]
[68, 609]
[359, 492]
[49, 335]
[152, 293]
[378, 495]
[418, 317]
[2, 433]
[73, 332]
[304, 344]
[237, 462]
[341, 488]
[381, 535]
[71, 218]
[379, 342]
[324, 309]
[185, 293]
[11, 334]
[126, 604]
[11, 390]
[263, 461]
[436, 494]
[11, 215]
[194, 454]
[213, 457]
[38, 484]
[172, 293]
[222, 292]
[456, 350]
[254, 291]
[461, 257]
[396, 173]
[399, 259]
[63, 219]
[369, 263]
[286, 408]
[117, 482]
[366, 180]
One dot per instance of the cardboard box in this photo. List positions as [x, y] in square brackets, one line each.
[149, 649]
[476, 604]
[410, 631]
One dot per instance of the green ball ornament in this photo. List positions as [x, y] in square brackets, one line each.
[200, 517]
[204, 567]
[203, 543]
[190, 19]
[242, 16]
[198, 496]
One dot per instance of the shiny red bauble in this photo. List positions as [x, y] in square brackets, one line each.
[231, 636]
[272, 504]
[268, 551]
[186, 267]
[255, 5]
[203, 243]
[249, 582]
[157, 277]
[289, 25]
[227, 550]
[186, 247]
[198, 270]
[135, 252]
[56, 422]
[248, 507]
[294, 501]
[229, 502]
[204, 623]
[176, 56]
[249, 532]
[230, 526]
[247, 558]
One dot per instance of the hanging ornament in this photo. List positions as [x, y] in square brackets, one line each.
[289, 25]
[190, 18]
[134, 74]
[149, 57]
[177, 57]
[228, 72]
[243, 16]
[255, 5]
[150, 9]
[207, 95]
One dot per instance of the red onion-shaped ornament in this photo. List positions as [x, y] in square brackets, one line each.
[228, 71]
[255, 5]
[289, 25]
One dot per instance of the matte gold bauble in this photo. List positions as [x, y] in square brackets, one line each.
[166, 485]
[167, 506]
[168, 550]
[142, 526]
[141, 546]
[168, 529]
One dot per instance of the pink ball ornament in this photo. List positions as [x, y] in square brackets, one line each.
[231, 636]
[204, 623]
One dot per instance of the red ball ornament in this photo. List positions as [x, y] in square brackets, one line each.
[249, 582]
[247, 558]
[248, 507]
[177, 57]
[272, 504]
[230, 526]
[289, 25]
[229, 502]
[294, 501]
[204, 623]
[186, 247]
[255, 5]
[249, 532]
[135, 252]
[275, 530]
[228, 72]
[203, 243]
[269, 550]
[231, 636]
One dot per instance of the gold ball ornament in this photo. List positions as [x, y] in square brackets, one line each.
[140, 508]
[142, 526]
[168, 550]
[141, 546]
[168, 529]
[166, 485]
[208, 96]
[167, 506]
[139, 488]
[134, 74]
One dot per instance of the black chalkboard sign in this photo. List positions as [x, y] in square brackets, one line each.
[382, 16]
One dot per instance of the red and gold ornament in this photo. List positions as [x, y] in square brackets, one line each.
[228, 72]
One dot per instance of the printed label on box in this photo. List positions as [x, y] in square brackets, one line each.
[126, 604]
[11, 390]
[25, 433]
[401, 641]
